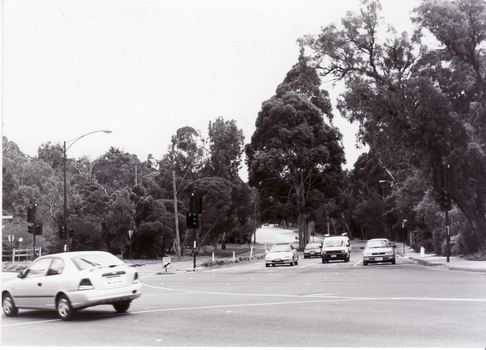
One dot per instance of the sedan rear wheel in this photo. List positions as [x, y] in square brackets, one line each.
[8, 305]
[64, 308]
[122, 306]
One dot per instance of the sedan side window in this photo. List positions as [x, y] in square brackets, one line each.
[56, 267]
[39, 268]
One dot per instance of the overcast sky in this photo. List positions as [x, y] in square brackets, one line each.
[146, 68]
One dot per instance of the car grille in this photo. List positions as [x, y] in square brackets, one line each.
[333, 251]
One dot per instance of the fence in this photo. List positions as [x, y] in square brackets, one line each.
[21, 254]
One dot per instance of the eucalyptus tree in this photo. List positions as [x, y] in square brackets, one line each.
[226, 143]
[416, 107]
[292, 145]
[118, 221]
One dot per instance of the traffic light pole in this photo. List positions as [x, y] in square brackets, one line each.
[448, 236]
[194, 265]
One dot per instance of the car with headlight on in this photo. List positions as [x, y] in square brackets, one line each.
[67, 282]
[379, 250]
[336, 248]
[312, 249]
[282, 253]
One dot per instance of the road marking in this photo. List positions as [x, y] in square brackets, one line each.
[318, 298]
[331, 299]
[30, 323]
[316, 295]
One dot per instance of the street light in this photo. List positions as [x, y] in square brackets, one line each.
[65, 182]
[383, 184]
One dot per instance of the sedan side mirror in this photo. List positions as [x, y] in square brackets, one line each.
[22, 274]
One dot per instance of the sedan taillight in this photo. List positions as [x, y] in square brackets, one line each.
[136, 277]
[85, 284]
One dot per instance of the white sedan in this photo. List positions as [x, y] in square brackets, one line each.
[72, 281]
[379, 250]
[282, 253]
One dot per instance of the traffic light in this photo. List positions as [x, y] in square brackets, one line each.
[192, 220]
[445, 200]
[38, 229]
[31, 213]
[195, 204]
[62, 232]
[30, 228]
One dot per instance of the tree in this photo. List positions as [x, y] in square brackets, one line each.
[118, 221]
[226, 146]
[293, 147]
[116, 170]
[416, 107]
[227, 211]
[185, 154]
[51, 154]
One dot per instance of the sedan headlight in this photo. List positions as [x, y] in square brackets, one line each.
[367, 253]
[389, 252]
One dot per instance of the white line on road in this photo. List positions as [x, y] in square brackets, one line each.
[328, 296]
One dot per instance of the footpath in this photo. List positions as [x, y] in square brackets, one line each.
[455, 263]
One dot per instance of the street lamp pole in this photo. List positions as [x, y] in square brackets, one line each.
[383, 184]
[66, 247]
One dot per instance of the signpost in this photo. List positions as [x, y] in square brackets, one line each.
[130, 233]
[166, 262]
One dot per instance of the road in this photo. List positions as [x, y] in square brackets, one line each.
[247, 305]
[275, 234]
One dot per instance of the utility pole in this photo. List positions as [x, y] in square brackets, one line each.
[178, 245]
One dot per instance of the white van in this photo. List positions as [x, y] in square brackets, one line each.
[336, 248]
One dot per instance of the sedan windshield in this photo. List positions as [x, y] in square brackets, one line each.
[313, 245]
[280, 248]
[378, 244]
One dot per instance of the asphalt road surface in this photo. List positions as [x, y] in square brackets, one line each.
[248, 305]
[275, 234]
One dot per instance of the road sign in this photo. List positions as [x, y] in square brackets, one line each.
[166, 262]
[11, 237]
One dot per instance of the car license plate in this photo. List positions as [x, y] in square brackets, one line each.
[277, 259]
[113, 279]
[333, 256]
[379, 259]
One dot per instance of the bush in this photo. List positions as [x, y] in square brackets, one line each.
[467, 243]
[240, 259]
[478, 256]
